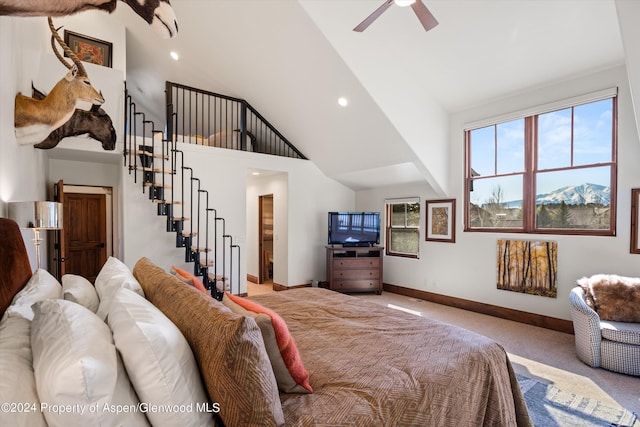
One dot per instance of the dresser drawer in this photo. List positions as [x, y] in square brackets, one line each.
[366, 262]
[355, 285]
[372, 274]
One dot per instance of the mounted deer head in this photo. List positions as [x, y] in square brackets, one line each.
[157, 13]
[35, 119]
[96, 123]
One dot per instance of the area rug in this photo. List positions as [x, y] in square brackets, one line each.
[552, 407]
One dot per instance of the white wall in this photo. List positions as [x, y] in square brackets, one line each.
[25, 58]
[23, 170]
[467, 268]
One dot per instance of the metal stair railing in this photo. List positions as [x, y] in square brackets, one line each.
[142, 140]
[201, 117]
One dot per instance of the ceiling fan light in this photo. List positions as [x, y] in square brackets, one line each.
[404, 3]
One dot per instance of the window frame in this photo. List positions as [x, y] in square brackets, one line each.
[389, 225]
[531, 171]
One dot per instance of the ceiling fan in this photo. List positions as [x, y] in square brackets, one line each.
[427, 20]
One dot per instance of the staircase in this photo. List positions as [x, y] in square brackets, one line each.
[153, 158]
[155, 162]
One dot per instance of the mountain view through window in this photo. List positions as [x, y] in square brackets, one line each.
[551, 172]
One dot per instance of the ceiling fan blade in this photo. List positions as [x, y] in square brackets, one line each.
[427, 20]
[375, 15]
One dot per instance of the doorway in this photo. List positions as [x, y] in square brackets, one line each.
[265, 238]
[86, 239]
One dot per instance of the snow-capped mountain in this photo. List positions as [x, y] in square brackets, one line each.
[572, 195]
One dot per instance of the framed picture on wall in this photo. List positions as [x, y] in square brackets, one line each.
[441, 220]
[635, 220]
[89, 49]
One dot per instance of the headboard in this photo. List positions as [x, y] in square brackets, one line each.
[15, 269]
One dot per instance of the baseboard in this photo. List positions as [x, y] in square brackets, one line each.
[251, 278]
[532, 319]
[279, 287]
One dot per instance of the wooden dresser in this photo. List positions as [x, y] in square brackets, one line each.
[355, 269]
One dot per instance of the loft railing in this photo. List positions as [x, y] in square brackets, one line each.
[156, 162]
[200, 117]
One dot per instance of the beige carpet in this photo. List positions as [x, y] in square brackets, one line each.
[539, 353]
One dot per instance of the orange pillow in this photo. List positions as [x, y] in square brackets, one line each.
[285, 343]
[197, 283]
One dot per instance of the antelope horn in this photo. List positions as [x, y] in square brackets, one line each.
[58, 54]
[54, 35]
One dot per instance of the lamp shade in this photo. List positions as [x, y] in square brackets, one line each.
[40, 215]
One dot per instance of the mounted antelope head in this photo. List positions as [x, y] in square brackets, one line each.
[35, 119]
[96, 123]
[157, 13]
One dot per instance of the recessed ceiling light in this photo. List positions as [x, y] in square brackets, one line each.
[255, 173]
[342, 101]
[174, 55]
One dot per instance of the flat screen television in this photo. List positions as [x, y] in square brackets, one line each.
[354, 228]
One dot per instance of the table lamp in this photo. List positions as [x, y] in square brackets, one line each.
[37, 216]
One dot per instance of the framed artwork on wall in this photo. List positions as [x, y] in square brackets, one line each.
[441, 220]
[89, 49]
[635, 220]
[528, 266]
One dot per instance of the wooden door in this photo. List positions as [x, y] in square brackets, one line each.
[59, 250]
[265, 238]
[84, 234]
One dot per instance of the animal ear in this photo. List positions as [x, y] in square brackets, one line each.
[72, 73]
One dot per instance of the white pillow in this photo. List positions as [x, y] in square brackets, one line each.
[113, 276]
[76, 364]
[40, 286]
[159, 361]
[79, 290]
[18, 385]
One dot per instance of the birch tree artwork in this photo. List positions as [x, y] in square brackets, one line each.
[527, 266]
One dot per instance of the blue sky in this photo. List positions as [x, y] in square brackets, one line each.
[592, 145]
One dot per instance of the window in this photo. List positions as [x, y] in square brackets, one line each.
[552, 171]
[403, 227]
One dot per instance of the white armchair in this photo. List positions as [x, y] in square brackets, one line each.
[614, 346]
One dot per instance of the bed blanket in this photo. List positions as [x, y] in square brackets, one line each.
[371, 365]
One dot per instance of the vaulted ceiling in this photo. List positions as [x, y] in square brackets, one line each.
[292, 59]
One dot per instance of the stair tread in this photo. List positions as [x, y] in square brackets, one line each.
[200, 249]
[209, 263]
[155, 170]
[188, 234]
[158, 184]
[168, 202]
[179, 218]
[147, 154]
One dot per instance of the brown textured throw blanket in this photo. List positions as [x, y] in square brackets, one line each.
[371, 365]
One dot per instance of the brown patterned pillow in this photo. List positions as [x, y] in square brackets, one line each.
[615, 298]
[228, 348]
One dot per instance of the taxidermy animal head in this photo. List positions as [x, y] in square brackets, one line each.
[96, 123]
[158, 13]
[35, 119]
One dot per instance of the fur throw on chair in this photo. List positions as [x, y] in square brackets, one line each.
[614, 298]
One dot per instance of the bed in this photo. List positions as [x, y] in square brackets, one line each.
[367, 365]
[372, 365]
